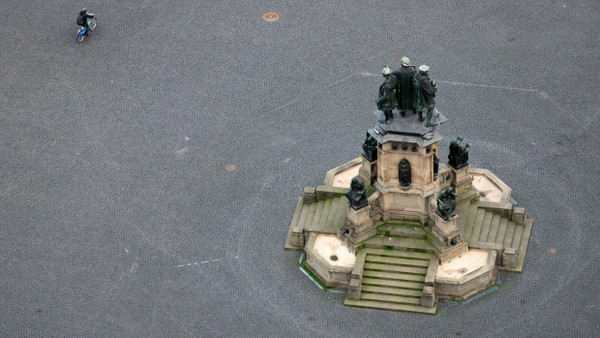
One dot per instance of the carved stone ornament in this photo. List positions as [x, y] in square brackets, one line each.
[404, 173]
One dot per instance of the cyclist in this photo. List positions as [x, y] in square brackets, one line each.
[82, 19]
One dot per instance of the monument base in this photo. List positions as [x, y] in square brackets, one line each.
[358, 226]
[446, 238]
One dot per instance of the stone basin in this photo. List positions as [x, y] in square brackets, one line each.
[489, 186]
[463, 264]
[466, 274]
[333, 251]
[344, 177]
[329, 259]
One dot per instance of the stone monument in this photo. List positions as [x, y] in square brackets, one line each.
[406, 230]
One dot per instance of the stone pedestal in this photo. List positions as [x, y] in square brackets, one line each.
[509, 258]
[354, 289]
[368, 172]
[359, 225]
[446, 237]
[462, 180]
[428, 296]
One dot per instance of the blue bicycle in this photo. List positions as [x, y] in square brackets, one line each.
[82, 32]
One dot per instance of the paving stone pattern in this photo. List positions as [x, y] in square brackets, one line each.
[117, 218]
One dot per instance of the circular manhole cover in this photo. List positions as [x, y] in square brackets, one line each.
[230, 167]
[270, 16]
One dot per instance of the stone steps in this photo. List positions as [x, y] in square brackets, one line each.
[528, 224]
[462, 209]
[508, 237]
[491, 237]
[484, 226]
[478, 223]
[390, 306]
[408, 230]
[394, 260]
[398, 253]
[469, 220]
[397, 243]
[396, 268]
[391, 290]
[324, 216]
[391, 299]
[393, 280]
[393, 276]
[393, 283]
[501, 231]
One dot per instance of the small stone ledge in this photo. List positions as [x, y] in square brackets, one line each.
[354, 289]
[489, 246]
[331, 173]
[503, 209]
[309, 195]
[357, 270]
[431, 271]
[295, 237]
[355, 285]
[506, 190]
[325, 191]
[518, 215]
[428, 296]
[509, 258]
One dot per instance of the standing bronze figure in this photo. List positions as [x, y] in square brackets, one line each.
[404, 89]
[387, 94]
[425, 90]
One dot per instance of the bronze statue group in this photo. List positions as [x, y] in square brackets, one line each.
[407, 90]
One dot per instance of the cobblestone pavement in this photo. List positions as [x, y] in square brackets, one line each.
[120, 211]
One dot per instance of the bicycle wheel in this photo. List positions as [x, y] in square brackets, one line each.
[80, 38]
[92, 24]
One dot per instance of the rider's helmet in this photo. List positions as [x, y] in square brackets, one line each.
[82, 11]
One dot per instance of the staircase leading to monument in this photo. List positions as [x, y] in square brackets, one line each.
[326, 215]
[395, 269]
[484, 228]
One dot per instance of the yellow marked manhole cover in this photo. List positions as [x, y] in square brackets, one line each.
[270, 16]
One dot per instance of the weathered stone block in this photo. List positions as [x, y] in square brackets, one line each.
[518, 215]
[428, 296]
[325, 191]
[354, 289]
[297, 239]
[309, 195]
[509, 258]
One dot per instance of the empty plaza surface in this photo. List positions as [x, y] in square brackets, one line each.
[148, 176]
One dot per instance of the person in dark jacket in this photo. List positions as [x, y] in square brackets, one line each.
[82, 19]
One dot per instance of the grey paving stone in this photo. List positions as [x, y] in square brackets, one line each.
[117, 218]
